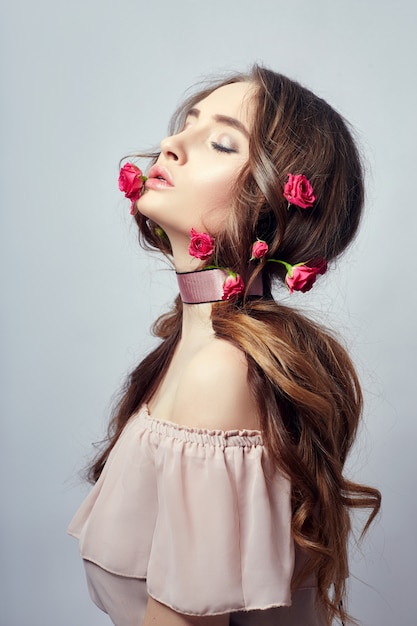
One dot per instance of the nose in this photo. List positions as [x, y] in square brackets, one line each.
[173, 148]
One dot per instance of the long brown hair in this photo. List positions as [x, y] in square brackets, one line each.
[305, 384]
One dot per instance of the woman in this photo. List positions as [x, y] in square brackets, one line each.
[220, 498]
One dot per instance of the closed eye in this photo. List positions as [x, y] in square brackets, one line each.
[220, 148]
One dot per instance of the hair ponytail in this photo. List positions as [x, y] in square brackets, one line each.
[310, 405]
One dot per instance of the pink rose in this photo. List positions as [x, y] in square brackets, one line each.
[299, 191]
[233, 286]
[131, 182]
[201, 245]
[259, 249]
[303, 277]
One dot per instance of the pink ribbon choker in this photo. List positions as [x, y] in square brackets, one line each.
[207, 286]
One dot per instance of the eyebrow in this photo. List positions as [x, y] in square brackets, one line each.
[222, 119]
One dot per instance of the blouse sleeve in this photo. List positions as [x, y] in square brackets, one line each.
[217, 528]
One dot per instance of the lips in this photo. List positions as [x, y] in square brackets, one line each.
[158, 178]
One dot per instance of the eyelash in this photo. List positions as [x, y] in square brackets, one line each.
[220, 148]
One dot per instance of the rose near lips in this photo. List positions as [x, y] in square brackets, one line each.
[131, 183]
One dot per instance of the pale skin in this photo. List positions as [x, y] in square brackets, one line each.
[214, 369]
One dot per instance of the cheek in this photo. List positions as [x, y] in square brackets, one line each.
[213, 197]
[214, 209]
[218, 184]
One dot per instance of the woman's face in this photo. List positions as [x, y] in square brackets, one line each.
[191, 185]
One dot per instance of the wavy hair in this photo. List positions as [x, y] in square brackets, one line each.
[304, 382]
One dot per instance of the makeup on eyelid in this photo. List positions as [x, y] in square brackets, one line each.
[223, 142]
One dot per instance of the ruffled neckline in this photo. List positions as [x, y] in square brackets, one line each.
[205, 436]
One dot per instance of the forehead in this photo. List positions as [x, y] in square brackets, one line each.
[233, 100]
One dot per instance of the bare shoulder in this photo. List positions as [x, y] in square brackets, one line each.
[214, 391]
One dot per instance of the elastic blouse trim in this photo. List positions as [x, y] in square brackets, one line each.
[215, 437]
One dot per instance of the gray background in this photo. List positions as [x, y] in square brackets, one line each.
[84, 83]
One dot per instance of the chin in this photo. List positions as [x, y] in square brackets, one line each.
[145, 209]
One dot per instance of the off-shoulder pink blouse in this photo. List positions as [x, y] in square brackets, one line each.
[197, 519]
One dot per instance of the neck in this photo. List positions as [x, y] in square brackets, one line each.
[214, 285]
[198, 296]
[199, 290]
[196, 322]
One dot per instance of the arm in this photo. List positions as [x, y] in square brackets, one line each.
[158, 614]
